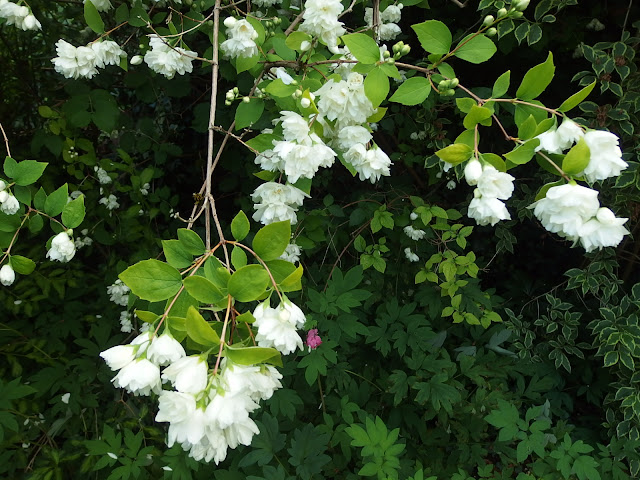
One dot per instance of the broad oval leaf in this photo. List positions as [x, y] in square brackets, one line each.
[191, 241]
[176, 254]
[199, 330]
[240, 226]
[363, 47]
[202, 289]
[476, 49]
[253, 355]
[456, 153]
[413, 91]
[271, 240]
[376, 86]
[152, 280]
[576, 159]
[536, 79]
[73, 212]
[248, 283]
[434, 36]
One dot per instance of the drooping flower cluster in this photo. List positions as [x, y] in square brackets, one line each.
[321, 20]
[75, 62]
[388, 28]
[9, 204]
[345, 101]
[276, 202]
[492, 187]
[119, 293]
[18, 15]
[62, 248]
[605, 156]
[573, 212]
[168, 60]
[277, 327]
[240, 39]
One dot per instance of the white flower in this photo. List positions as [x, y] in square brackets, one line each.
[566, 208]
[291, 253]
[275, 329]
[7, 275]
[392, 13]
[228, 408]
[74, 62]
[125, 322]
[451, 184]
[30, 22]
[10, 205]
[606, 157]
[345, 101]
[165, 349]
[294, 127]
[111, 202]
[144, 190]
[495, 184]
[291, 312]
[259, 382]
[188, 374]
[240, 40]
[487, 210]
[107, 53]
[3, 184]
[140, 377]
[370, 164]
[276, 202]
[321, 20]
[166, 60]
[269, 160]
[352, 135]
[119, 356]
[282, 74]
[136, 60]
[549, 142]
[303, 160]
[65, 398]
[473, 172]
[414, 234]
[119, 293]
[413, 216]
[62, 248]
[605, 230]
[101, 5]
[388, 31]
[18, 15]
[412, 257]
[568, 133]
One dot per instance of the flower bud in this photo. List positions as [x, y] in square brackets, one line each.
[451, 92]
[454, 83]
[227, 103]
[397, 47]
[31, 23]
[502, 12]
[230, 95]
[517, 14]
[491, 32]
[305, 45]
[473, 172]
[305, 102]
[443, 85]
[268, 24]
[246, 99]
[3, 185]
[3, 196]
[229, 22]
[136, 60]
[488, 20]
[386, 54]
[236, 90]
[7, 275]
[405, 50]
[390, 61]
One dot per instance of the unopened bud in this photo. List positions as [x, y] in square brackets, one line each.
[136, 60]
[454, 83]
[517, 14]
[229, 22]
[305, 102]
[268, 24]
[390, 61]
[386, 54]
[451, 92]
[227, 103]
[246, 99]
[488, 20]
[397, 47]
[491, 32]
[297, 94]
[235, 90]
[230, 95]
[522, 5]
[405, 50]
[502, 12]
[305, 45]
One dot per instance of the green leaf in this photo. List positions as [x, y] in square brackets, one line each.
[477, 49]
[152, 280]
[577, 158]
[434, 36]
[92, 17]
[238, 257]
[536, 79]
[413, 91]
[176, 254]
[191, 241]
[240, 226]
[199, 330]
[147, 317]
[293, 281]
[501, 85]
[277, 88]
[376, 86]
[73, 212]
[476, 115]
[456, 153]
[249, 113]
[362, 47]
[55, 202]
[262, 142]
[295, 39]
[271, 240]
[523, 153]
[527, 129]
[610, 359]
[22, 265]
[246, 317]
[24, 173]
[575, 99]
[39, 199]
[202, 289]
[248, 283]
[253, 355]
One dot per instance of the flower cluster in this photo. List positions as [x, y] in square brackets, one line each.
[18, 15]
[62, 248]
[345, 101]
[240, 39]
[321, 20]
[573, 212]
[119, 293]
[9, 204]
[276, 202]
[388, 28]
[75, 62]
[605, 156]
[168, 60]
[492, 187]
[277, 327]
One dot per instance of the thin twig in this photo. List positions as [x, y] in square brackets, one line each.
[6, 140]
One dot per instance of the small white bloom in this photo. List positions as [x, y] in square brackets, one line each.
[119, 293]
[605, 230]
[168, 60]
[111, 202]
[145, 189]
[495, 184]
[487, 210]
[413, 216]
[62, 248]
[352, 135]
[10, 206]
[125, 322]
[119, 356]
[276, 202]
[412, 257]
[7, 275]
[282, 74]
[188, 374]
[107, 52]
[140, 377]
[414, 234]
[569, 133]
[606, 157]
[549, 142]
[276, 330]
[136, 60]
[345, 101]
[165, 349]
[74, 62]
[321, 20]
[240, 41]
[101, 5]
[451, 184]
[65, 398]
[291, 253]
[473, 172]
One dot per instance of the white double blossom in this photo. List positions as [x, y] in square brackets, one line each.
[389, 18]
[370, 164]
[320, 19]
[492, 186]
[345, 101]
[291, 253]
[168, 60]
[9, 204]
[276, 202]
[119, 293]
[18, 15]
[62, 248]
[412, 257]
[75, 62]
[277, 327]
[241, 38]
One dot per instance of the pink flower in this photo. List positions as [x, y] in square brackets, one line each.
[313, 339]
